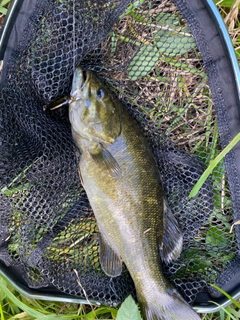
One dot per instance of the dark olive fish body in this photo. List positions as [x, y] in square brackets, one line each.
[123, 185]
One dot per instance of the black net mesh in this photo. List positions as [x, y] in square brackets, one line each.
[145, 52]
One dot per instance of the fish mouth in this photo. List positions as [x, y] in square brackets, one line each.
[80, 79]
[85, 76]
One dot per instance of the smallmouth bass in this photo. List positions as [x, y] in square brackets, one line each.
[123, 185]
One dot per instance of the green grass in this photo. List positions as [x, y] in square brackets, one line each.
[13, 305]
[213, 165]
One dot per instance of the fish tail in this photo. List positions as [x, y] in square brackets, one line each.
[167, 306]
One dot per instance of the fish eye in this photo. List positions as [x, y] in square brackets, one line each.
[100, 94]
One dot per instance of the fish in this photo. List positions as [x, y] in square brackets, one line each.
[121, 179]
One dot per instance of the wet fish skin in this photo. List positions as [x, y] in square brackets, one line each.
[123, 185]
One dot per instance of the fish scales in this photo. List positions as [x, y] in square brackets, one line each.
[122, 182]
[135, 196]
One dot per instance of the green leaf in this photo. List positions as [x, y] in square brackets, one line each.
[143, 62]
[131, 7]
[3, 11]
[171, 43]
[4, 2]
[172, 40]
[128, 310]
[166, 19]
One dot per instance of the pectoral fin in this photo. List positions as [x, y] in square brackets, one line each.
[171, 246]
[101, 155]
[111, 263]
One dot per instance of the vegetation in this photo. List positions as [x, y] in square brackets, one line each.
[3, 6]
[14, 305]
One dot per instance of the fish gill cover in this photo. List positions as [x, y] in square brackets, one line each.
[145, 52]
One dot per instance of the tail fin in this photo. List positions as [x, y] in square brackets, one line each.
[170, 306]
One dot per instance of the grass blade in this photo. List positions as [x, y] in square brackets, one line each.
[30, 311]
[235, 302]
[212, 165]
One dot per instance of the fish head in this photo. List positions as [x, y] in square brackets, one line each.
[93, 112]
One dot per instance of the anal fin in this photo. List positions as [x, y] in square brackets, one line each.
[172, 241]
[111, 263]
